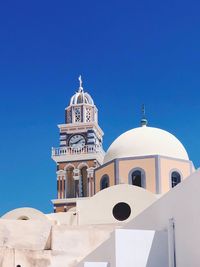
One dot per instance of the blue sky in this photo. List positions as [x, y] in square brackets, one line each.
[128, 52]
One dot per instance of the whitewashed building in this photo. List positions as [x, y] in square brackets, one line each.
[134, 206]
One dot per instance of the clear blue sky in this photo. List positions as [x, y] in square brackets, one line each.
[128, 52]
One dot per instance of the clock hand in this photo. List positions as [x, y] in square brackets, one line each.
[74, 143]
[77, 141]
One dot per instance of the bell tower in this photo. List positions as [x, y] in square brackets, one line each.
[80, 151]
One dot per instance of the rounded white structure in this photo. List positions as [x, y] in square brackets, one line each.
[25, 214]
[144, 141]
[81, 97]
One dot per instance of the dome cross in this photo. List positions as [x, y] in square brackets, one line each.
[80, 84]
[144, 120]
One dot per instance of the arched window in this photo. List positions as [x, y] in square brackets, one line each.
[137, 177]
[175, 178]
[104, 183]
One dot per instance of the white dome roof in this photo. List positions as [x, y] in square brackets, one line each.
[144, 141]
[81, 97]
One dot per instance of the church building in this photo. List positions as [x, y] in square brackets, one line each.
[134, 205]
[146, 157]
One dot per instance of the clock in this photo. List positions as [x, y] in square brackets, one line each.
[77, 141]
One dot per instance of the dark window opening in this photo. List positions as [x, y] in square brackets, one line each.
[104, 182]
[121, 211]
[137, 178]
[175, 178]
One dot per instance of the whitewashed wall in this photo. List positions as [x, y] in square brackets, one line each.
[183, 204]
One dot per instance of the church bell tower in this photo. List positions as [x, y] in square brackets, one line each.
[80, 151]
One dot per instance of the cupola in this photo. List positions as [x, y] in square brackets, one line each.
[81, 108]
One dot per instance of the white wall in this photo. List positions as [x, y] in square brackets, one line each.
[66, 218]
[7, 257]
[96, 264]
[29, 234]
[182, 204]
[141, 248]
[128, 248]
[98, 209]
[79, 241]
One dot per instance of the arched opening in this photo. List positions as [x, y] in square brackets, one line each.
[70, 188]
[104, 183]
[175, 178]
[84, 182]
[137, 177]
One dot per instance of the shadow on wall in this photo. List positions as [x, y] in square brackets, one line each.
[158, 255]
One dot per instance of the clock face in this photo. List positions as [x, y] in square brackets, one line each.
[77, 141]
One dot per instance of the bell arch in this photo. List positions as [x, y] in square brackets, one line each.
[81, 165]
[70, 183]
[84, 182]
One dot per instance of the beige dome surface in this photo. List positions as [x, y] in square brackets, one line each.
[144, 141]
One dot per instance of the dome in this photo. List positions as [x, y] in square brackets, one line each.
[144, 141]
[81, 98]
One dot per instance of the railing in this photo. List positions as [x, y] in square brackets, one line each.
[74, 151]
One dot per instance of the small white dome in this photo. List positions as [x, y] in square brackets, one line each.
[81, 97]
[144, 141]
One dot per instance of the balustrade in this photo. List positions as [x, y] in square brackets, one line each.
[73, 151]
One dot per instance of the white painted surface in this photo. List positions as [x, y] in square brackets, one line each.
[145, 141]
[96, 264]
[71, 244]
[85, 99]
[7, 257]
[79, 241]
[98, 209]
[32, 235]
[22, 213]
[182, 204]
[59, 157]
[132, 248]
[104, 253]
[141, 248]
[65, 218]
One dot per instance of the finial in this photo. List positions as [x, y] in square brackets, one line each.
[80, 84]
[144, 120]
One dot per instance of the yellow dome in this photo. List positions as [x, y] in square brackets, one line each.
[144, 141]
